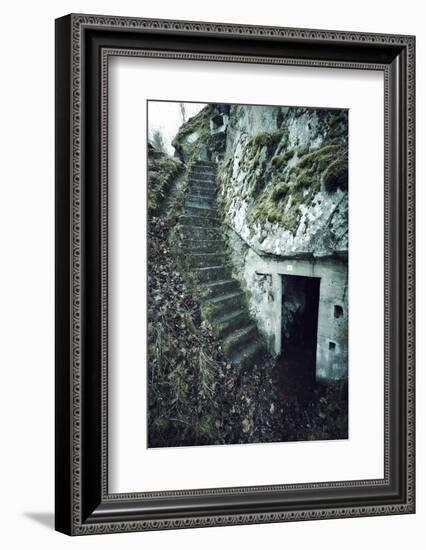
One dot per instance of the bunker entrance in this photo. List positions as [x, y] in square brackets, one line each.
[299, 316]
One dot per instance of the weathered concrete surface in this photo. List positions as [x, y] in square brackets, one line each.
[263, 281]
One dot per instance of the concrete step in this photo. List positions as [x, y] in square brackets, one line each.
[201, 191]
[219, 305]
[204, 166]
[202, 200]
[207, 163]
[207, 259]
[251, 354]
[198, 176]
[229, 322]
[205, 245]
[202, 169]
[199, 209]
[200, 221]
[202, 176]
[211, 273]
[217, 288]
[197, 191]
[210, 200]
[238, 340]
[202, 186]
[202, 232]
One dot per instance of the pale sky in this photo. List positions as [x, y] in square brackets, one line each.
[165, 116]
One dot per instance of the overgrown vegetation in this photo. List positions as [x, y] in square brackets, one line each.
[321, 415]
[199, 125]
[162, 170]
[194, 396]
[292, 187]
[265, 139]
[281, 177]
[336, 174]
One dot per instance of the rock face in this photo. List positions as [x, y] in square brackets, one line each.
[283, 174]
[203, 137]
[284, 180]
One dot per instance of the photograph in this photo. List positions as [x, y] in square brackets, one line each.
[248, 247]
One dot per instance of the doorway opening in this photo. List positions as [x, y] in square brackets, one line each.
[299, 330]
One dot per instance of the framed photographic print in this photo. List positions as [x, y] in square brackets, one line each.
[234, 274]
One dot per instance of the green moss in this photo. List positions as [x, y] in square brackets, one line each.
[283, 144]
[336, 175]
[208, 311]
[303, 150]
[273, 206]
[162, 170]
[268, 139]
[317, 159]
[328, 163]
[276, 137]
[196, 123]
[306, 180]
[199, 123]
[254, 160]
[276, 192]
[337, 117]
[288, 154]
[280, 161]
[338, 124]
[259, 140]
[280, 191]
[277, 161]
[280, 202]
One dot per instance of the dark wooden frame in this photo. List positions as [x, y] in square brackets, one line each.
[83, 46]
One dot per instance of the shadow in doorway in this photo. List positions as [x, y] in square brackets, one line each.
[297, 363]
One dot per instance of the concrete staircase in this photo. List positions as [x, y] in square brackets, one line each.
[224, 303]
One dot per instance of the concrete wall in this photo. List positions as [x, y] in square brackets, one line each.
[262, 279]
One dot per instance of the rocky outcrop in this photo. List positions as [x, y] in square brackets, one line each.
[283, 174]
[204, 136]
[284, 180]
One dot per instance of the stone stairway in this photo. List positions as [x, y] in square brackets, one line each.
[224, 304]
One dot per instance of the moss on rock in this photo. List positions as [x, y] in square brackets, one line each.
[274, 176]
[336, 175]
[162, 170]
[199, 124]
[280, 202]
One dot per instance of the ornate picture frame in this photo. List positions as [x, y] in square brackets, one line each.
[84, 44]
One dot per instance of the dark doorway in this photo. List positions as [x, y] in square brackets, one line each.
[300, 299]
